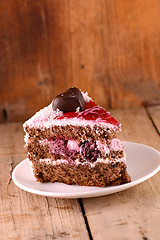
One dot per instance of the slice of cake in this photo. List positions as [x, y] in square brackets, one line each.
[75, 141]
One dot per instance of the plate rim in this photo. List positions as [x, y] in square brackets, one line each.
[100, 191]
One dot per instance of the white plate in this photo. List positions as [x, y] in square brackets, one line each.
[142, 163]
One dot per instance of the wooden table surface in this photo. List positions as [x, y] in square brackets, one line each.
[130, 214]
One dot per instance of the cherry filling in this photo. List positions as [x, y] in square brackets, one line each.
[91, 112]
[57, 147]
[89, 150]
[70, 149]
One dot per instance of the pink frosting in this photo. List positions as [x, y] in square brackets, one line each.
[115, 145]
[73, 145]
[59, 146]
[102, 147]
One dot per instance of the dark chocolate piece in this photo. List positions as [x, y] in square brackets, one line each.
[69, 101]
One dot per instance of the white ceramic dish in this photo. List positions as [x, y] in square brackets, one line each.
[142, 163]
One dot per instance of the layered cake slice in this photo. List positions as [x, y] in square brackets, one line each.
[75, 141]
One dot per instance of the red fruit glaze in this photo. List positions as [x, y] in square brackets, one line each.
[91, 112]
[89, 104]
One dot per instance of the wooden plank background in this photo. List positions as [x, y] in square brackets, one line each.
[109, 48]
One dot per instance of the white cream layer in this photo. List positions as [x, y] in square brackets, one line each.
[77, 162]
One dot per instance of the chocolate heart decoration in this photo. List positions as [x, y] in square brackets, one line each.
[69, 101]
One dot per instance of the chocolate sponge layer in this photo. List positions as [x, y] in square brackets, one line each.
[100, 175]
[72, 132]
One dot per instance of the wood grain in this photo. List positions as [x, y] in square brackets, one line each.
[12, 139]
[108, 48]
[131, 214]
[154, 113]
[29, 216]
[134, 213]
[137, 127]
